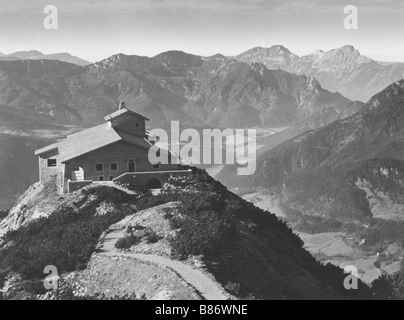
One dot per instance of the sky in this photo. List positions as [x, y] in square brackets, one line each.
[97, 29]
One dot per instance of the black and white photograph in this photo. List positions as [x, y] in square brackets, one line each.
[178, 151]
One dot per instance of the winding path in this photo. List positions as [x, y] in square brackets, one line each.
[205, 286]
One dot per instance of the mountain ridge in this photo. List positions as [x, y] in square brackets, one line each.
[163, 87]
[342, 69]
[37, 55]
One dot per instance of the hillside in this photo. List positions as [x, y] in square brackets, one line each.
[348, 174]
[207, 231]
[343, 69]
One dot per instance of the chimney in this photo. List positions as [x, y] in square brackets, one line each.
[122, 105]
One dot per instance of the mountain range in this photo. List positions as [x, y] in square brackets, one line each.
[343, 69]
[208, 92]
[36, 55]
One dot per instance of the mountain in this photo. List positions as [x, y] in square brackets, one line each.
[25, 55]
[179, 61]
[343, 69]
[274, 57]
[213, 92]
[195, 240]
[351, 171]
[36, 55]
[65, 57]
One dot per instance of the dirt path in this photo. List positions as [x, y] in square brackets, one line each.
[203, 284]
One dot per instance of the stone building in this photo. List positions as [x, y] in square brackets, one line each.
[116, 150]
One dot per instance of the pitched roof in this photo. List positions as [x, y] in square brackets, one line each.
[121, 112]
[89, 140]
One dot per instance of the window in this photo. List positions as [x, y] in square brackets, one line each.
[111, 178]
[99, 167]
[51, 163]
[100, 178]
[114, 166]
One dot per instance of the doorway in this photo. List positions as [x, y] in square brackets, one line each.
[153, 184]
[131, 165]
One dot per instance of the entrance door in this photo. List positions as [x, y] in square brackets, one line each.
[131, 165]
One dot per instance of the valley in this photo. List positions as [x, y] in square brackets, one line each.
[338, 248]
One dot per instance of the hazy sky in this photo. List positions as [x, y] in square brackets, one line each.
[96, 29]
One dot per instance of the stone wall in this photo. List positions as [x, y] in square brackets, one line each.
[76, 185]
[118, 153]
[141, 179]
[49, 174]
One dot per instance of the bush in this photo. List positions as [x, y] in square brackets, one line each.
[151, 237]
[127, 242]
[175, 222]
[167, 216]
[168, 213]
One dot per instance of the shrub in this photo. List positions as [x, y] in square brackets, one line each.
[167, 216]
[127, 242]
[151, 237]
[175, 222]
[168, 213]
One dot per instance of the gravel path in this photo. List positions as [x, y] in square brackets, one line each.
[205, 286]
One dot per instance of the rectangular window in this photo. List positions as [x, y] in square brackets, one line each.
[99, 167]
[114, 167]
[111, 178]
[51, 163]
[100, 178]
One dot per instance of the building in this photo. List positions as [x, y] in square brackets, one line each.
[116, 150]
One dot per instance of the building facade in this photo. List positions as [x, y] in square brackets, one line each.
[116, 150]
